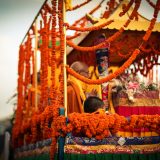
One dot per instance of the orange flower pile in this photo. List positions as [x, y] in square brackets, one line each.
[91, 125]
[151, 122]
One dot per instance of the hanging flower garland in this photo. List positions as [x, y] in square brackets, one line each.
[153, 21]
[44, 63]
[126, 8]
[47, 8]
[62, 46]
[27, 81]
[110, 39]
[93, 48]
[111, 76]
[53, 52]
[18, 118]
[93, 28]
[91, 12]
[112, 5]
[149, 31]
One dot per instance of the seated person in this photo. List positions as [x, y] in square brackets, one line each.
[93, 104]
[76, 89]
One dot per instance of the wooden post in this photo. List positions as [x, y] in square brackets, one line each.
[35, 66]
[65, 61]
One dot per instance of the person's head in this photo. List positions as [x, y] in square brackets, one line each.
[92, 104]
[80, 68]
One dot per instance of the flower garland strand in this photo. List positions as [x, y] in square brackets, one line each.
[125, 8]
[100, 45]
[153, 21]
[93, 28]
[18, 118]
[44, 64]
[27, 80]
[53, 52]
[111, 76]
[99, 125]
[91, 12]
[62, 36]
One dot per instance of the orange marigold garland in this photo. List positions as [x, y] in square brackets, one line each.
[96, 125]
[53, 86]
[153, 21]
[44, 62]
[111, 76]
[93, 48]
[27, 80]
[89, 28]
[62, 47]
[18, 118]
[126, 8]
[149, 31]
[91, 12]
[53, 52]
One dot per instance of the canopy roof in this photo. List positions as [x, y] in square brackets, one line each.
[141, 25]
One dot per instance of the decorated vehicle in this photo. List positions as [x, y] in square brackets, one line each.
[122, 51]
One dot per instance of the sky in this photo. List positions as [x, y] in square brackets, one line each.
[16, 17]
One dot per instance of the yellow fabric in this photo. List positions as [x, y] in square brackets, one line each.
[91, 87]
[128, 134]
[154, 134]
[139, 102]
[68, 4]
[81, 85]
[120, 134]
[147, 134]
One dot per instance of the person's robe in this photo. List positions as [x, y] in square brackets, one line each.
[74, 100]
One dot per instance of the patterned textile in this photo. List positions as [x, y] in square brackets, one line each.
[144, 94]
[112, 140]
[99, 149]
[139, 102]
[39, 144]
